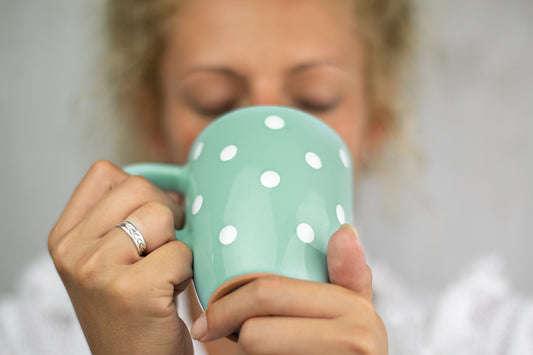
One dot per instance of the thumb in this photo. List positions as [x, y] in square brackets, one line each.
[347, 263]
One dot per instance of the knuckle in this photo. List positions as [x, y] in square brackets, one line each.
[366, 343]
[352, 341]
[87, 271]
[355, 338]
[250, 339]
[127, 295]
[266, 289]
[181, 250]
[124, 291]
[52, 238]
[364, 304]
[101, 168]
[354, 302]
[59, 253]
[140, 185]
[163, 213]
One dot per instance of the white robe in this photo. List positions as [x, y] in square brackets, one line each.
[476, 314]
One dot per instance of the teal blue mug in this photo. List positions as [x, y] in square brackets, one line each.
[265, 188]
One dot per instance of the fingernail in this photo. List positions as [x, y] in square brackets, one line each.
[199, 328]
[350, 227]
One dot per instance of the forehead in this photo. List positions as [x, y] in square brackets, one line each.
[281, 32]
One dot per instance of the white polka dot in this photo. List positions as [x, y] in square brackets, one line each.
[344, 157]
[227, 235]
[341, 215]
[313, 160]
[305, 233]
[274, 122]
[197, 204]
[270, 179]
[198, 150]
[228, 153]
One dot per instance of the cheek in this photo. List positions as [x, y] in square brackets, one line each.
[351, 125]
[180, 130]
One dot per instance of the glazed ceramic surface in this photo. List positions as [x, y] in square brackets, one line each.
[265, 187]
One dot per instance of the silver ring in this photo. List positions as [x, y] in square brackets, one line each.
[135, 235]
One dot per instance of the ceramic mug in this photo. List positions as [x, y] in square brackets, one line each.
[265, 188]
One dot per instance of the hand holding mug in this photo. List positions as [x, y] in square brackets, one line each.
[125, 302]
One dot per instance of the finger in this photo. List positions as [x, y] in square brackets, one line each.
[347, 263]
[153, 220]
[150, 284]
[290, 335]
[171, 262]
[101, 178]
[272, 295]
[122, 201]
[185, 338]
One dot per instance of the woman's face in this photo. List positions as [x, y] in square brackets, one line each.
[227, 54]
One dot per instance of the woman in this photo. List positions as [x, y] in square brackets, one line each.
[181, 64]
[213, 57]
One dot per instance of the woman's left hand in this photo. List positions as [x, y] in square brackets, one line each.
[279, 315]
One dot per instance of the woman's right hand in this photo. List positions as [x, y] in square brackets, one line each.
[125, 303]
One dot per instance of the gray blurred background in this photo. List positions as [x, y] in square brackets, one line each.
[474, 109]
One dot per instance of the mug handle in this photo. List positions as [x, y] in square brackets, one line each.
[167, 177]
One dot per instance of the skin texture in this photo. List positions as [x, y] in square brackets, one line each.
[223, 55]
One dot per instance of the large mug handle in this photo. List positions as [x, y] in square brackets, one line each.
[167, 177]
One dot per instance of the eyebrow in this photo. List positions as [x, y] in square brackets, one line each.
[214, 68]
[233, 73]
[312, 64]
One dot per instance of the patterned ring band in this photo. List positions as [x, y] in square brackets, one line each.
[135, 235]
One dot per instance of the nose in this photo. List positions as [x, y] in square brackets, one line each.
[267, 92]
[266, 101]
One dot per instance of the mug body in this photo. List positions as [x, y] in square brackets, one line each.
[267, 187]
